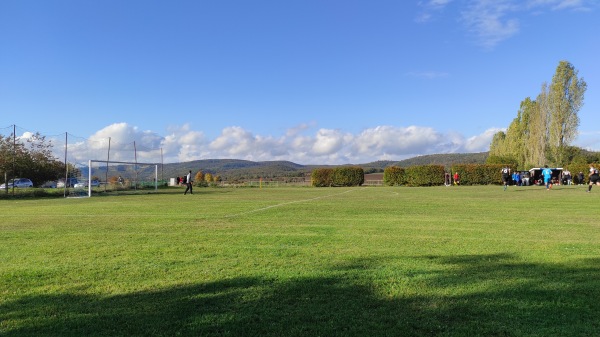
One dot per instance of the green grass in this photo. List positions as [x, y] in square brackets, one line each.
[379, 261]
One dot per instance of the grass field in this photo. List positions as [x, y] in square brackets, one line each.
[375, 261]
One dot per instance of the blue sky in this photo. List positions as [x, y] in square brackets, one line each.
[314, 82]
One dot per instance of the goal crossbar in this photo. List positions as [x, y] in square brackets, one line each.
[119, 162]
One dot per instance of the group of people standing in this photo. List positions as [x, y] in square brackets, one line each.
[594, 177]
[449, 179]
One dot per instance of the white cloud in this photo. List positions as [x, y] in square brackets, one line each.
[570, 4]
[235, 142]
[328, 142]
[487, 20]
[491, 22]
[560, 4]
[183, 144]
[430, 8]
[397, 141]
[291, 132]
[481, 142]
[303, 144]
[323, 146]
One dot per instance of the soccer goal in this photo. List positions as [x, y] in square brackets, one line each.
[118, 175]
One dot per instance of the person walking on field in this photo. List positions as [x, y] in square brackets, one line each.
[547, 173]
[505, 176]
[456, 178]
[188, 183]
[594, 178]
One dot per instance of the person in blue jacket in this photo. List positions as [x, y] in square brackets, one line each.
[547, 173]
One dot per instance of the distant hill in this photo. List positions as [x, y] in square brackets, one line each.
[232, 169]
[446, 159]
[236, 169]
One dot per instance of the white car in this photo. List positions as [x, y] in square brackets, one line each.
[70, 183]
[18, 183]
[49, 184]
[84, 183]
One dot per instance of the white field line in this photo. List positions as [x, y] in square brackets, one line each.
[285, 204]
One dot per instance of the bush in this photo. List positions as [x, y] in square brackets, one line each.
[425, 175]
[339, 176]
[348, 176]
[394, 176]
[478, 174]
[200, 183]
[322, 177]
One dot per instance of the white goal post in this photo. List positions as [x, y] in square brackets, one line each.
[107, 162]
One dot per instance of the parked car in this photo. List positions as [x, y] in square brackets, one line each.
[18, 183]
[70, 182]
[49, 184]
[84, 183]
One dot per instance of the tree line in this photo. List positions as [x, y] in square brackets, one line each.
[545, 127]
[31, 158]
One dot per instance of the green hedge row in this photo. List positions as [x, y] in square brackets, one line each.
[393, 176]
[423, 175]
[477, 174]
[339, 176]
[434, 175]
[420, 175]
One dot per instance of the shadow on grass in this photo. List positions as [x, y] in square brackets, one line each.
[482, 295]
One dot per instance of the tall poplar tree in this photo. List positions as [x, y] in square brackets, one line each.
[515, 143]
[565, 98]
[526, 113]
[497, 147]
[544, 128]
[538, 129]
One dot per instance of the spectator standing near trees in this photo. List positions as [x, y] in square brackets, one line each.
[447, 179]
[456, 178]
[567, 177]
[188, 183]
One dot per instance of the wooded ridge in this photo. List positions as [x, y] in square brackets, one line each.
[236, 169]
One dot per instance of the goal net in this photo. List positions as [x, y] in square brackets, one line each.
[120, 175]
